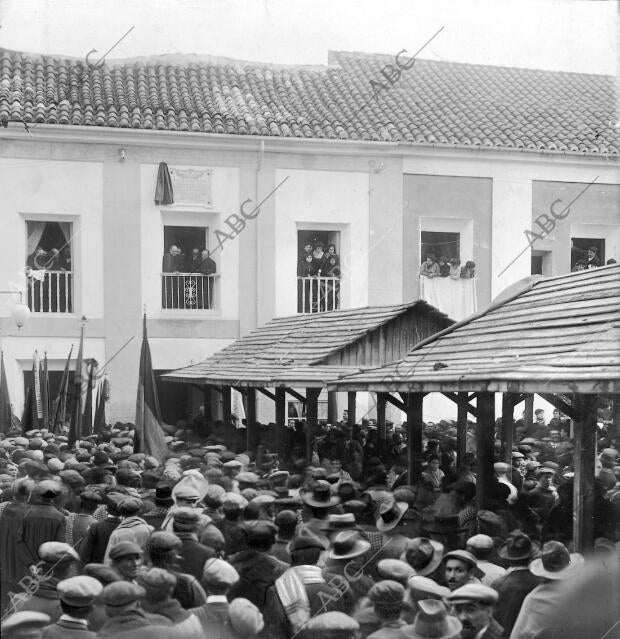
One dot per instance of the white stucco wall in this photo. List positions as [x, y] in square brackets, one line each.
[322, 200]
[60, 191]
[168, 353]
[226, 201]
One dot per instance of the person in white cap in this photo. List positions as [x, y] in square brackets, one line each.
[473, 605]
[481, 547]
[24, 625]
[501, 472]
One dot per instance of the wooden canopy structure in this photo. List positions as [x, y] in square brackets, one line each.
[300, 352]
[558, 337]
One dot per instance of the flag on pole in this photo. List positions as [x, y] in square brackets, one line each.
[99, 423]
[60, 412]
[32, 405]
[75, 430]
[6, 413]
[38, 405]
[45, 391]
[149, 437]
[88, 406]
[27, 415]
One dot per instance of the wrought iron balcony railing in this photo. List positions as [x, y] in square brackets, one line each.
[317, 294]
[188, 291]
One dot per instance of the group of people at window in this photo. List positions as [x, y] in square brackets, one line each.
[175, 261]
[314, 261]
[181, 288]
[588, 258]
[54, 259]
[444, 267]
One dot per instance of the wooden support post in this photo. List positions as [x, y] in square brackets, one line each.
[332, 407]
[207, 402]
[583, 487]
[484, 443]
[312, 414]
[280, 421]
[508, 428]
[461, 428]
[528, 411]
[226, 416]
[415, 404]
[252, 435]
[351, 397]
[381, 426]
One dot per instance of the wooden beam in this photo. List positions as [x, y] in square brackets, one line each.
[583, 486]
[381, 426]
[280, 396]
[296, 395]
[461, 428]
[508, 428]
[415, 424]
[351, 407]
[395, 402]
[464, 399]
[312, 414]
[560, 404]
[252, 436]
[226, 415]
[528, 411]
[332, 407]
[485, 437]
[266, 393]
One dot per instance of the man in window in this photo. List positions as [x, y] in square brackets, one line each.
[205, 288]
[171, 260]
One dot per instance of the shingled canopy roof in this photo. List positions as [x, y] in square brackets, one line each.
[292, 351]
[433, 103]
[556, 335]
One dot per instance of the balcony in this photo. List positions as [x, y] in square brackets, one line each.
[318, 294]
[50, 291]
[188, 291]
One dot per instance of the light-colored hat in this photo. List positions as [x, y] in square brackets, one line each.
[217, 572]
[79, 591]
[433, 621]
[480, 542]
[425, 588]
[245, 618]
[57, 552]
[24, 619]
[390, 514]
[501, 467]
[556, 562]
[473, 592]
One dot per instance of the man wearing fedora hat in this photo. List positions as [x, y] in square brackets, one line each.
[319, 500]
[518, 550]
[348, 548]
[433, 620]
[555, 565]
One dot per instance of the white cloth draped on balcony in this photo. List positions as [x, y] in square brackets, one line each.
[455, 298]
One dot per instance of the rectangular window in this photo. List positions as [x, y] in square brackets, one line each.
[318, 271]
[49, 271]
[586, 253]
[188, 273]
[439, 245]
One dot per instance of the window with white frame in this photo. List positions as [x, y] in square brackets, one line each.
[49, 266]
[188, 273]
[318, 271]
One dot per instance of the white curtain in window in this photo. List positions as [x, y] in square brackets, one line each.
[35, 232]
[65, 228]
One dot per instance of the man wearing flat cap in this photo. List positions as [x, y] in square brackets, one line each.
[24, 625]
[214, 616]
[125, 617]
[126, 558]
[56, 562]
[388, 600]
[42, 522]
[159, 585]
[473, 605]
[482, 547]
[257, 569]
[77, 597]
[193, 553]
[459, 568]
[132, 527]
[304, 589]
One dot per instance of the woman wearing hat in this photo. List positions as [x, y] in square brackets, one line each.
[555, 565]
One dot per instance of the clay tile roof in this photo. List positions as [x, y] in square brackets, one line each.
[439, 103]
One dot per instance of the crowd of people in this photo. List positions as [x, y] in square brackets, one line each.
[98, 540]
[444, 267]
[175, 261]
[322, 293]
[587, 259]
[313, 261]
